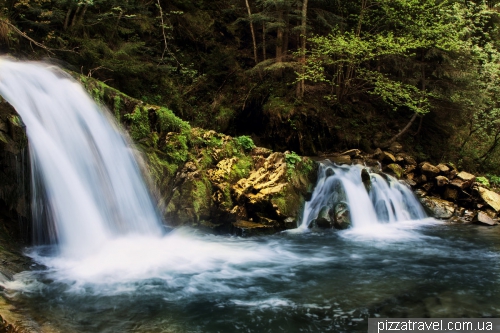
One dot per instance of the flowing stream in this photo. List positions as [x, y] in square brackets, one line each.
[108, 266]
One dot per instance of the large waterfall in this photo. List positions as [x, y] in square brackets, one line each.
[86, 181]
[369, 198]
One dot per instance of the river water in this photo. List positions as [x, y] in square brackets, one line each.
[324, 281]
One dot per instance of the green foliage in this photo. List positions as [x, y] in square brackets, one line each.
[245, 142]
[292, 159]
[494, 180]
[483, 181]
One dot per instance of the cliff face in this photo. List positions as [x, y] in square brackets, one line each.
[14, 174]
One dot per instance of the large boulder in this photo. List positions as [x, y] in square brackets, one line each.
[490, 197]
[482, 218]
[438, 208]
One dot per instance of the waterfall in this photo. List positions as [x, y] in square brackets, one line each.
[369, 198]
[87, 184]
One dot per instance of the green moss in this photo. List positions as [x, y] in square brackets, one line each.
[169, 122]
[159, 168]
[117, 101]
[201, 195]
[177, 148]
[227, 202]
[139, 127]
[241, 168]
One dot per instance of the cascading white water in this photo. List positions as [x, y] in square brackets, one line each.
[92, 184]
[386, 200]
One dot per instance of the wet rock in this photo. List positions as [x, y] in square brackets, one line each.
[366, 179]
[397, 169]
[247, 228]
[443, 168]
[483, 219]
[490, 197]
[353, 153]
[438, 208]
[324, 219]
[290, 223]
[410, 182]
[429, 169]
[329, 172]
[341, 159]
[442, 181]
[342, 218]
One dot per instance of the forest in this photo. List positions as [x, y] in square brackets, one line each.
[310, 76]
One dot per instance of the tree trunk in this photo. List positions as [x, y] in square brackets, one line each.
[406, 128]
[303, 40]
[264, 55]
[253, 32]
[279, 38]
[66, 20]
[73, 21]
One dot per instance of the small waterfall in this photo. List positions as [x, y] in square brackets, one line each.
[87, 187]
[369, 198]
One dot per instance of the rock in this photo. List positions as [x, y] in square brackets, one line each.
[490, 197]
[410, 168]
[463, 180]
[420, 193]
[452, 174]
[438, 208]
[329, 172]
[483, 219]
[396, 147]
[384, 156]
[429, 169]
[410, 182]
[443, 168]
[260, 151]
[341, 159]
[442, 181]
[342, 218]
[450, 193]
[428, 186]
[247, 228]
[290, 223]
[366, 179]
[465, 176]
[409, 160]
[421, 179]
[397, 169]
[324, 219]
[352, 153]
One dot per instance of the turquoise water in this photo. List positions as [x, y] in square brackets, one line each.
[327, 281]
